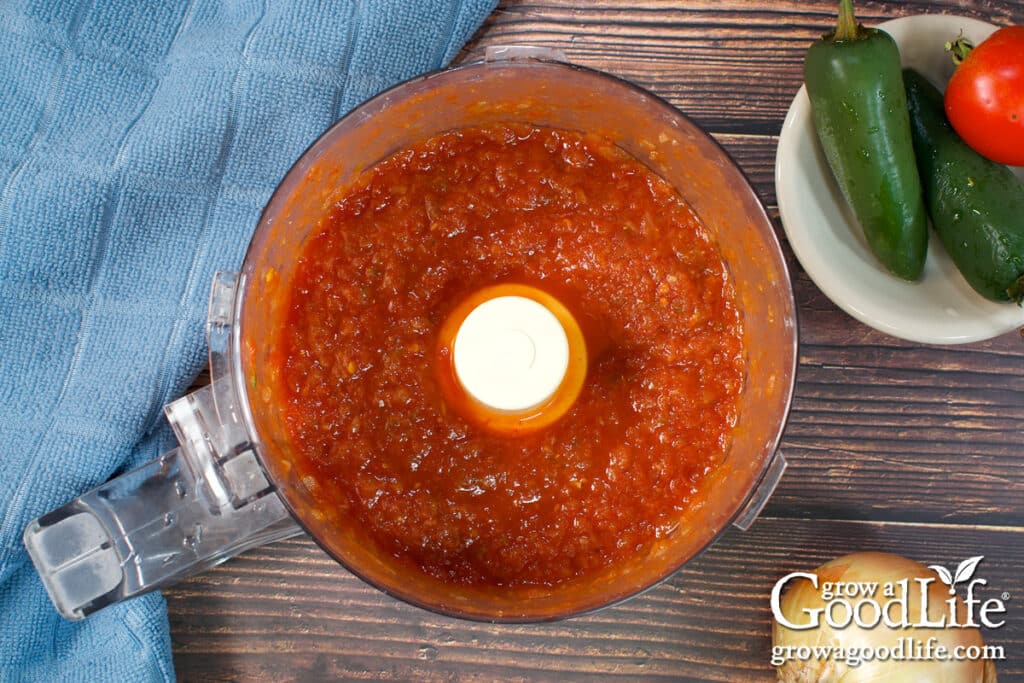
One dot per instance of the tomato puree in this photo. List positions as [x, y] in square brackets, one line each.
[379, 441]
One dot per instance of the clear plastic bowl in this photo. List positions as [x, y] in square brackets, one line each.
[229, 485]
[557, 95]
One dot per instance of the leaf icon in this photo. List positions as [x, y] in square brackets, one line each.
[943, 573]
[966, 568]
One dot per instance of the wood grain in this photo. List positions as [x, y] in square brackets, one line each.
[892, 446]
[286, 612]
[733, 66]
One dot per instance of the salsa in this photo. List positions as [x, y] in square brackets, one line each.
[380, 442]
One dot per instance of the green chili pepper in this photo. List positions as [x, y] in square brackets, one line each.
[860, 113]
[976, 205]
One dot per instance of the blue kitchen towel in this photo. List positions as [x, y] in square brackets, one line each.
[139, 140]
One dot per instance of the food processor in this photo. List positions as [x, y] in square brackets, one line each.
[229, 485]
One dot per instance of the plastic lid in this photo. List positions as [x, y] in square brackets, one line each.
[511, 353]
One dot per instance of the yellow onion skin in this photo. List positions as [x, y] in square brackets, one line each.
[880, 568]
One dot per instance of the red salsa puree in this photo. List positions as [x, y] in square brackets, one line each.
[381, 442]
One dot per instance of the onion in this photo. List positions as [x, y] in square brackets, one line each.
[881, 568]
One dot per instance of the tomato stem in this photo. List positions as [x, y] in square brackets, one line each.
[959, 48]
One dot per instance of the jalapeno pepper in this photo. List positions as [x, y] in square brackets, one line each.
[976, 205]
[859, 107]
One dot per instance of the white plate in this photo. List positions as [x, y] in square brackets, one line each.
[941, 308]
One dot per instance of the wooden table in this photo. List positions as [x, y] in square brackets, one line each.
[893, 446]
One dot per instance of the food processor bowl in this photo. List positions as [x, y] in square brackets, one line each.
[232, 483]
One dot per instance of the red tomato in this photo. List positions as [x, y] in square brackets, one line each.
[985, 97]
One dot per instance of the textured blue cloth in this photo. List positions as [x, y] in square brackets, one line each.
[138, 143]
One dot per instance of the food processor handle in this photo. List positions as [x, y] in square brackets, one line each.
[190, 509]
[764, 490]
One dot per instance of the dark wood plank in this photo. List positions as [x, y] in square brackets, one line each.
[733, 66]
[286, 612]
